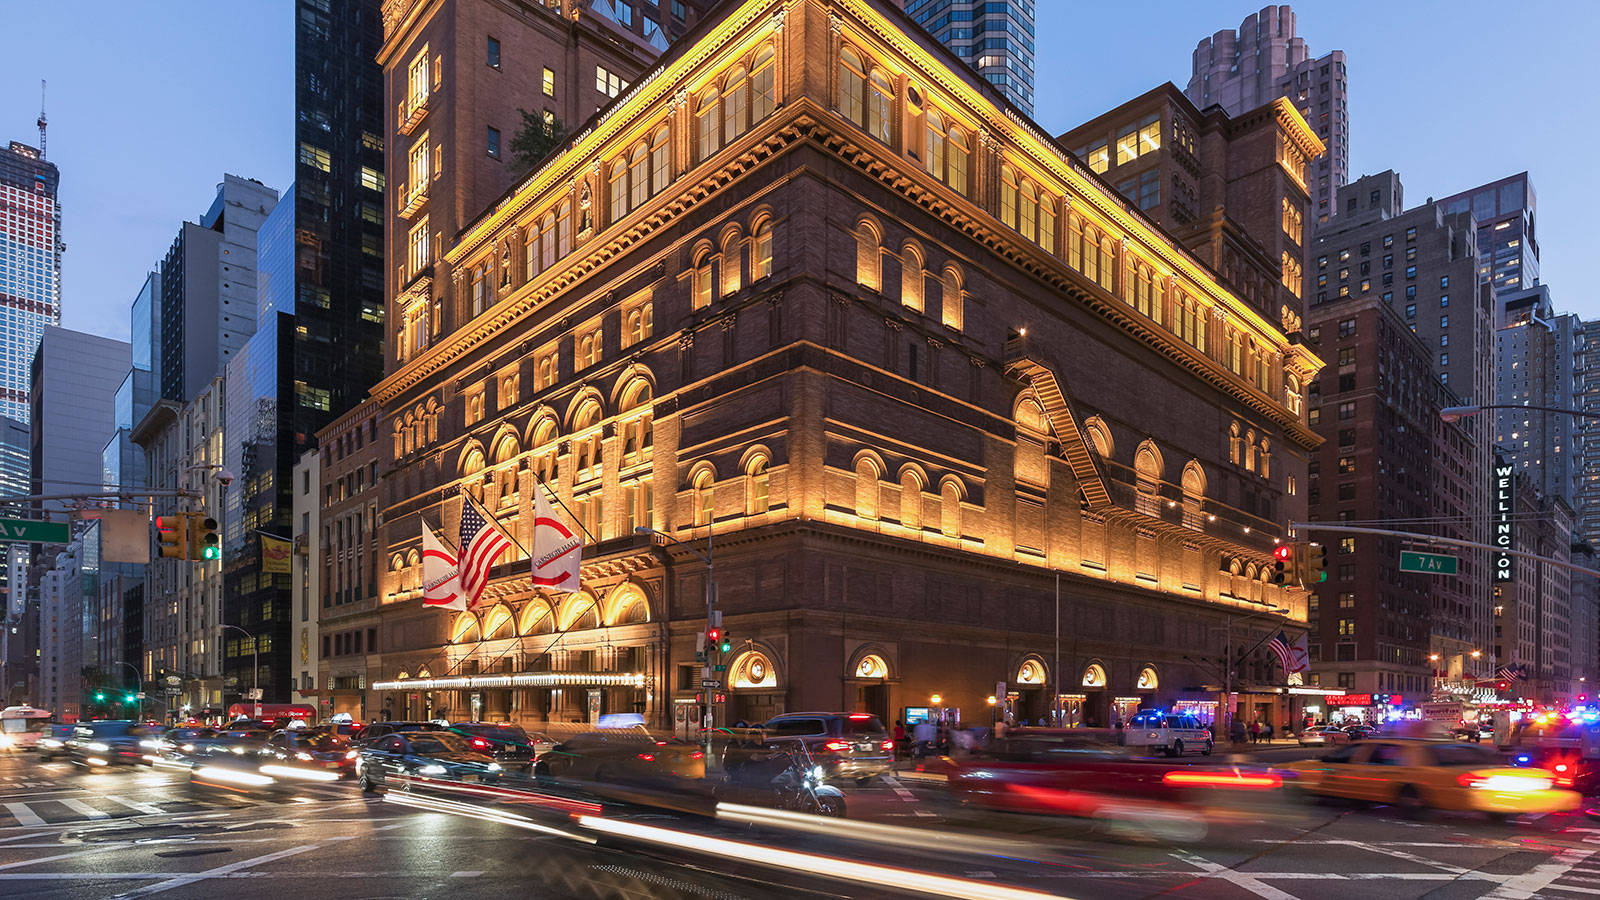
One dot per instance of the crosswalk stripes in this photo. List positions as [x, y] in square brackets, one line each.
[67, 811]
[24, 815]
[83, 809]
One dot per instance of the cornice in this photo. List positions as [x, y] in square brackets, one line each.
[1298, 129]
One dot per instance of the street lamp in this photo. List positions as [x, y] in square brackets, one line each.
[1457, 413]
[709, 721]
[255, 667]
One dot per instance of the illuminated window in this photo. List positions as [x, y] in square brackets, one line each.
[852, 87]
[763, 92]
[952, 301]
[867, 488]
[589, 346]
[704, 504]
[420, 168]
[1097, 156]
[417, 81]
[911, 277]
[880, 104]
[546, 368]
[480, 289]
[757, 478]
[636, 321]
[701, 277]
[868, 262]
[660, 161]
[761, 251]
[639, 177]
[735, 104]
[549, 83]
[705, 117]
[419, 250]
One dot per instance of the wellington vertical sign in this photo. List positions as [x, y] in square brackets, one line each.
[1505, 501]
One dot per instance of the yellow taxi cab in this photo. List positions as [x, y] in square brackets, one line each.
[1417, 774]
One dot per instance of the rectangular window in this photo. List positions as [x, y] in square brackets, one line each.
[1444, 281]
[371, 179]
[419, 251]
[1411, 271]
[1444, 301]
[491, 53]
[1347, 410]
[1347, 465]
[1347, 327]
[492, 142]
[1098, 157]
[549, 82]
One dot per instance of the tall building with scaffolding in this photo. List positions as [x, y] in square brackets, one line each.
[30, 265]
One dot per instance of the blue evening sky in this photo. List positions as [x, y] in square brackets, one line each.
[151, 102]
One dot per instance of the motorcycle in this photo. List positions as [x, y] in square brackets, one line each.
[782, 778]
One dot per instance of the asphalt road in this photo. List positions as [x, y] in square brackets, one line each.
[140, 832]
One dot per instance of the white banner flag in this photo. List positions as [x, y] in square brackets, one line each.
[441, 577]
[557, 552]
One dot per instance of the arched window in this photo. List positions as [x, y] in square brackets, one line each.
[950, 508]
[933, 151]
[1099, 437]
[1147, 474]
[953, 311]
[1028, 210]
[1264, 458]
[911, 277]
[761, 250]
[735, 104]
[1235, 445]
[1008, 196]
[660, 161]
[638, 434]
[868, 264]
[505, 460]
[1090, 261]
[530, 251]
[639, 177]
[471, 466]
[586, 441]
[756, 485]
[1194, 492]
[852, 87]
[547, 242]
[1250, 449]
[638, 323]
[619, 190]
[867, 475]
[546, 463]
[701, 278]
[880, 105]
[1108, 264]
[1047, 223]
[763, 84]
[704, 501]
[911, 499]
[730, 263]
[1075, 243]
[707, 133]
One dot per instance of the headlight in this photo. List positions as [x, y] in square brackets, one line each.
[431, 770]
[817, 773]
[493, 767]
[239, 750]
[187, 748]
[351, 754]
[152, 745]
[302, 755]
[5, 739]
[97, 746]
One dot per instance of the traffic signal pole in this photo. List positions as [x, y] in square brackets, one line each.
[1435, 539]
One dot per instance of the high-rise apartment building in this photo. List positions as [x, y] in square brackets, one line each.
[30, 267]
[1232, 189]
[1508, 244]
[74, 385]
[1264, 59]
[1537, 354]
[1588, 504]
[995, 38]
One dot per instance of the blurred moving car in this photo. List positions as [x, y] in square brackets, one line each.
[1567, 767]
[1360, 731]
[621, 756]
[423, 754]
[846, 745]
[510, 745]
[1323, 736]
[375, 730]
[233, 742]
[109, 742]
[183, 742]
[1413, 775]
[1090, 776]
[1172, 733]
[53, 743]
[310, 749]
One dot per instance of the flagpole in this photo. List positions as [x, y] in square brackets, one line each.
[488, 517]
[553, 496]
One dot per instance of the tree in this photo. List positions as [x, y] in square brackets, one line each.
[536, 139]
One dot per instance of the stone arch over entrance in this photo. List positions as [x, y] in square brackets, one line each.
[870, 680]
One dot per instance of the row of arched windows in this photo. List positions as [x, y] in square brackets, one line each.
[914, 275]
[718, 269]
[1149, 469]
[910, 492]
[753, 488]
[746, 95]
[416, 429]
[1246, 449]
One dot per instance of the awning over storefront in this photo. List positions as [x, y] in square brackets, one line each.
[516, 680]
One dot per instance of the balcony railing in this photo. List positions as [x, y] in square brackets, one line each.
[411, 114]
[415, 200]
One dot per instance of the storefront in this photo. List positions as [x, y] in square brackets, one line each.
[1362, 709]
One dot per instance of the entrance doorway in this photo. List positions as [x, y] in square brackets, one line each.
[874, 699]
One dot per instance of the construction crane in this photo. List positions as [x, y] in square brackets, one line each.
[42, 122]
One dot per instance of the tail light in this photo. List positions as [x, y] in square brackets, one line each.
[1236, 780]
[697, 755]
[648, 757]
[480, 744]
[836, 746]
[1510, 784]
[888, 745]
[1562, 767]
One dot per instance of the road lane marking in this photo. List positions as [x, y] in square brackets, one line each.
[1572, 888]
[146, 808]
[24, 815]
[45, 859]
[221, 871]
[1243, 880]
[84, 809]
[1530, 883]
[901, 792]
[470, 874]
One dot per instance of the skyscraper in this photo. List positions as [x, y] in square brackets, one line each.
[994, 38]
[1508, 247]
[30, 267]
[1241, 70]
[1537, 352]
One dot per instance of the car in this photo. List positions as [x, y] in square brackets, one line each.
[54, 742]
[375, 730]
[510, 746]
[846, 745]
[1567, 766]
[313, 749]
[110, 742]
[1360, 731]
[1172, 733]
[423, 754]
[232, 742]
[1323, 736]
[184, 742]
[1413, 775]
[630, 756]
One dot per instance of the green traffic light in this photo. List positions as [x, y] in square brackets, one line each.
[132, 698]
[101, 695]
[213, 553]
[726, 646]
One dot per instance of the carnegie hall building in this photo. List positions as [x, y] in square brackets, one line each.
[809, 312]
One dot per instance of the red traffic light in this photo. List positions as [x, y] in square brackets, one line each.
[1502, 685]
[714, 633]
[1283, 552]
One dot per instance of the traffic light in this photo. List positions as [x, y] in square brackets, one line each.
[1285, 564]
[100, 696]
[714, 638]
[172, 532]
[726, 643]
[203, 540]
[132, 698]
[1314, 565]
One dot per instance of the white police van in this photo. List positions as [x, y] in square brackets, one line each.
[1172, 733]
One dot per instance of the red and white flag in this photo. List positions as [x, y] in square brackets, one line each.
[441, 578]
[1299, 654]
[482, 542]
[557, 552]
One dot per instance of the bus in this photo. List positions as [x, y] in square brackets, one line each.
[22, 726]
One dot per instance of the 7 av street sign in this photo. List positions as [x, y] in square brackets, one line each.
[33, 532]
[1427, 563]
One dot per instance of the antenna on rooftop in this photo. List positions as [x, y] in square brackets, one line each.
[42, 122]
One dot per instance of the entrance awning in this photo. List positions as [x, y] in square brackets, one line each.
[516, 680]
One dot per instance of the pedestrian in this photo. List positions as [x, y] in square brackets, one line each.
[1255, 731]
[899, 738]
[925, 734]
[1266, 731]
[1236, 732]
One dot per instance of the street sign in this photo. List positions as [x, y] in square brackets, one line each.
[710, 683]
[33, 531]
[174, 680]
[140, 695]
[720, 668]
[174, 691]
[1427, 563]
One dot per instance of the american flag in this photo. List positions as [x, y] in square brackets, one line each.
[1280, 645]
[1510, 673]
[481, 543]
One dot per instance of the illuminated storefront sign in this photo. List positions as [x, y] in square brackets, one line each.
[1504, 503]
[1365, 700]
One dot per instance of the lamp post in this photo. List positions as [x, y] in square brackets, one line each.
[1227, 671]
[708, 722]
[255, 667]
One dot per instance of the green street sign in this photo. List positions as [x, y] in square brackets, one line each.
[33, 531]
[1427, 563]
